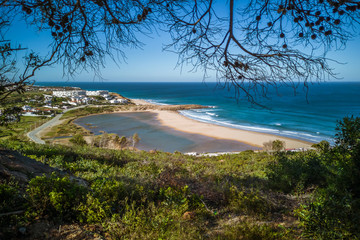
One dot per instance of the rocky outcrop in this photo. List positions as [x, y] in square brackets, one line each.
[21, 169]
[17, 167]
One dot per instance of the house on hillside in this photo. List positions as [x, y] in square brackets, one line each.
[97, 93]
[69, 93]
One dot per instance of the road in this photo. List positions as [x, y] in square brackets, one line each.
[33, 135]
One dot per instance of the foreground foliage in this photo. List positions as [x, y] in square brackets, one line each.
[157, 195]
[142, 195]
[333, 211]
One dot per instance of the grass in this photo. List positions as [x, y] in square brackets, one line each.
[19, 129]
[88, 110]
[137, 194]
[16, 99]
[67, 128]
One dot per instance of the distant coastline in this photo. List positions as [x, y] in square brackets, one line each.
[311, 118]
[174, 120]
[307, 115]
[168, 115]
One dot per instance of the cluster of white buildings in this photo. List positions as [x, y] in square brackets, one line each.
[31, 111]
[97, 93]
[78, 93]
[69, 93]
[82, 96]
[73, 97]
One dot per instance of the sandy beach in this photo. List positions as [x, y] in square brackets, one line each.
[177, 121]
[140, 102]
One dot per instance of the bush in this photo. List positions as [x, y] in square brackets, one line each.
[78, 140]
[331, 215]
[296, 172]
[10, 198]
[335, 211]
[112, 192]
[249, 203]
[276, 145]
[93, 211]
[253, 231]
[180, 197]
[153, 222]
[55, 196]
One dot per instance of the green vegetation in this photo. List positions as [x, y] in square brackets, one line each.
[54, 196]
[157, 195]
[78, 139]
[88, 110]
[19, 129]
[31, 98]
[58, 100]
[10, 197]
[67, 128]
[333, 210]
[135, 139]
[137, 194]
[276, 146]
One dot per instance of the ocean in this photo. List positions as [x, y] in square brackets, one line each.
[307, 114]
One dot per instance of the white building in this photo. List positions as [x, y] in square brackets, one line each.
[123, 100]
[70, 93]
[118, 100]
[47, 97]
[26, 108]
[97, 93]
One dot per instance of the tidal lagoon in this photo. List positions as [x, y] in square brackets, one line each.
[154, 135]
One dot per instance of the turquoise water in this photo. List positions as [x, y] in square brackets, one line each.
[309, 115]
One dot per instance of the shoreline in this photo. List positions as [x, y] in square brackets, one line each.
[176, 121]
[179, 122]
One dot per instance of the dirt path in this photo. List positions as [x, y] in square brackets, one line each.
[34, 135]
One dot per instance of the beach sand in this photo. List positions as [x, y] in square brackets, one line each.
[178, 122]
[140, 102]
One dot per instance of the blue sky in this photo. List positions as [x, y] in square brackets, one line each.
[152, 64]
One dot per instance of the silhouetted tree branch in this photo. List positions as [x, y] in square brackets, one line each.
[267, 42]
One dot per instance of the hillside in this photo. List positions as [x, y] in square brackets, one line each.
[147, 195]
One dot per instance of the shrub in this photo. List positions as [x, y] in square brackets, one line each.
[153, 222]
[249, 203]
[93, 211]
[78, 140]
[11, 200]
[296, 172]
[323, 146]
[10, 197]
[334, 212]
[331, 215]
[111, 192]
[180, 197]
[252, 231]
[55, 196]
[276, 145]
